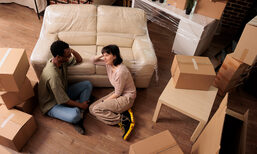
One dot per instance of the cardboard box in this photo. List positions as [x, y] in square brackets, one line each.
[181, 4]
[14, 66]
[229, 74]
[246, 48]
[16, 128]
[209, 139]
[234, 132]
[12, 99]
[192, 72]
[159, 143]
[210, 9]
[29, 105]
[5, 150]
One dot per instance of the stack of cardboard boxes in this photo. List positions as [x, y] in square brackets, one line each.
[16, 127]
[236, 64]
[188, 73]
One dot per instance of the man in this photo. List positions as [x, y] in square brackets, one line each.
[56, 98]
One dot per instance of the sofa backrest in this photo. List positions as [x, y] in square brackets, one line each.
[74, 24]
[119, 25]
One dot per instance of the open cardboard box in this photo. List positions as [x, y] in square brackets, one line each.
[234, 133]
[210, 141]
[229, 74]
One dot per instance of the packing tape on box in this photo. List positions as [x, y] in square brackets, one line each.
[5, 56]
[7, 119]
[195, 64]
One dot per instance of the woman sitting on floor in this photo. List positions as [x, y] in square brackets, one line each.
[115, 108]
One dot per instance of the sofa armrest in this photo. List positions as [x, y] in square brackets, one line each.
[41, 52]
[144, 55]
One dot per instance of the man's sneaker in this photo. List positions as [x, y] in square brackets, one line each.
[127, 123]
[79, 127]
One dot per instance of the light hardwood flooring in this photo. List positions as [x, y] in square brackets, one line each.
[20, 28]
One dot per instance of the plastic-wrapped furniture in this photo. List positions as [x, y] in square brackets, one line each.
[88, 29]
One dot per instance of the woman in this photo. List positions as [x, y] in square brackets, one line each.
[115, 108]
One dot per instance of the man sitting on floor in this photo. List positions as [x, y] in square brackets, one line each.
[58, 99]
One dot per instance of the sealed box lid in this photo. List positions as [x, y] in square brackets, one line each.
[159, 143]
[192, 72]
[14, 66]
[195, 65]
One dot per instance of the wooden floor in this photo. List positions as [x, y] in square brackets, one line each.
[20, 28]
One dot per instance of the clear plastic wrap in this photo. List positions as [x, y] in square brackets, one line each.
[193, 32]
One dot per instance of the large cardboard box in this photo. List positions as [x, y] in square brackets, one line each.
[192, 72]
[246, 49]
[14, 66]
[211, 9]
[229, 74]
[12, 99]
[162, 143]
[16, 128]
[29, 105]
[209, 140]
[181, 4]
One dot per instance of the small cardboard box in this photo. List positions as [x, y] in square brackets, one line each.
[14, 66]
[181, 4]
[16, 128]
[246, 49]
[192, 72]
[229, 74]
[29, 105]
[159, 143]
[211, 9]
[12, 99]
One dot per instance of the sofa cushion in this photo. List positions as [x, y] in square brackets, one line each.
[126, 55]
[86, 67]
[78, 38]
[126, 20]
[120, 39]
[70, 17]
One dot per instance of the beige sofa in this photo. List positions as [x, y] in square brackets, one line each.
[87, 29]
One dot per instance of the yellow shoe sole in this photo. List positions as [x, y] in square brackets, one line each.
[131, 127]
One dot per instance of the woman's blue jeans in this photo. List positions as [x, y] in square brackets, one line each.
[79, 92]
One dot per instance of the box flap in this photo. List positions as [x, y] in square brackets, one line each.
[160, 142]
[253, 22]
[11, 121]
[195, 65]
